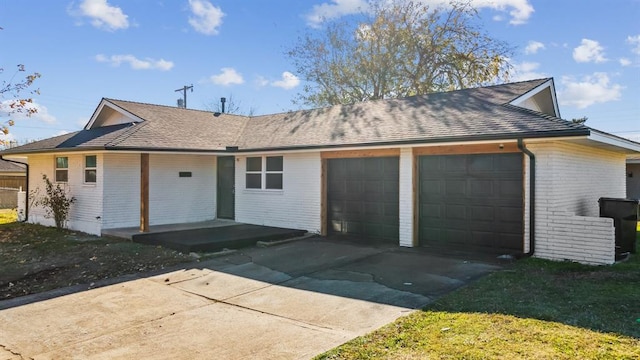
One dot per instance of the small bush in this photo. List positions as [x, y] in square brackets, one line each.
[56, 202]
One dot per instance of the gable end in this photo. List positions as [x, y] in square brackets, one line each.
[108, 114]
[541, 99]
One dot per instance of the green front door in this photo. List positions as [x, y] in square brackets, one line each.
[226, 187]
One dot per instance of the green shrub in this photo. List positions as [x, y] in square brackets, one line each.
[57, 202]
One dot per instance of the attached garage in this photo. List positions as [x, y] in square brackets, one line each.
[363, 197]
[471, 202]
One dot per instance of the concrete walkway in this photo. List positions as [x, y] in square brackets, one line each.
[291, 301]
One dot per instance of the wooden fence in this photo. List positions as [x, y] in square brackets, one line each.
[13, 182]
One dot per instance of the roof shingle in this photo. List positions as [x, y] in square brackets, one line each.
[463, 114]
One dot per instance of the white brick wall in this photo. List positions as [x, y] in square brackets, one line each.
[296, 206]
[121, 190]
[173, 199]
[570, 179]
[406, 197]
[85, 213]
[585, 239]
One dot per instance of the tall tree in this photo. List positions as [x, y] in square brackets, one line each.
[399, 48]
[12, 99]
[231, 107]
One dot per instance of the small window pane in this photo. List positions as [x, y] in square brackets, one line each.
[254, 164]
[62, 162]
[254, 181]
[90, 176]
[274, 181]
[274, 163]
[61, 176]
[90, 161]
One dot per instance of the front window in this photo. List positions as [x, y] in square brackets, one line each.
[90, 169]
[264, 172]
[62, 169]
[273, 174]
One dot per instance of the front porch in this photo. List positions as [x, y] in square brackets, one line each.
[204, 236]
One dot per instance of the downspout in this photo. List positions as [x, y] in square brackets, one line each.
[532, 197]
[26, 205]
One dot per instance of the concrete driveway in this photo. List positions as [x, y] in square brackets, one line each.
[290, 301]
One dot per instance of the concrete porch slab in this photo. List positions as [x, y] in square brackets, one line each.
[217, 238]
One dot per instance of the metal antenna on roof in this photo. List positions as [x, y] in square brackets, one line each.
[184, 89]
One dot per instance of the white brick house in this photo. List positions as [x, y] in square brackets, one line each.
[489, 169]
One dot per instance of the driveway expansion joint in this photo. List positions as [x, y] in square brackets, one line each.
[13, 352]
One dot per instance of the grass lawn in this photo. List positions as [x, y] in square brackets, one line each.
[534, 309]
[35, 258]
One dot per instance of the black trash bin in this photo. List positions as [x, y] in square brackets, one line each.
[625, 217]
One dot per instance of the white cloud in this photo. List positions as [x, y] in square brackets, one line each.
[624, 62]
[334, 9]
[207, 18]
[635, 42]
[228, 76]
[288, 81]
[526, 71]
[590, 90]
[103, 15]
[135, 63]
[589, 51]
[533, 47]
[520, 10]
[41, 112]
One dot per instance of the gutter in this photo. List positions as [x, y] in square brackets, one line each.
[532, 197]
[26, 205]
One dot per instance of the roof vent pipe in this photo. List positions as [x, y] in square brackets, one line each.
[222, 101]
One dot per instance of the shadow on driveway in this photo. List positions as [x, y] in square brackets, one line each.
[289, 301]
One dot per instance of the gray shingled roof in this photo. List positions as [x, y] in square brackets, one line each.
[480, 113]
[7, 166]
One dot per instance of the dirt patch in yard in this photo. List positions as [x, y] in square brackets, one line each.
[35, 258]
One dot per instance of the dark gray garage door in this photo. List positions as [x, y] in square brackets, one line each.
[471, 202]
[362, 197]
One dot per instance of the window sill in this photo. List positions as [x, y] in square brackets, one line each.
[263, 191]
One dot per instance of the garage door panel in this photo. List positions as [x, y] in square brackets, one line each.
[510, 188]
[453, 164]
[481, 187]
[367, 190]
[454, 211]
[456, 188]
[482, 213]
[510, 215]
[481, 205]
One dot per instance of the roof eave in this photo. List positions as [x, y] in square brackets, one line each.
[578, 133]
[616, 141]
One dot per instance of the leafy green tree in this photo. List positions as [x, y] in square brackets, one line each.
[398, 48]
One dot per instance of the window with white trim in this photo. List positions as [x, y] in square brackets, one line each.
[90, 169]
[264, 172]
[62, 169]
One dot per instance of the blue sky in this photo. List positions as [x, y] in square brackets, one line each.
[143, 50]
